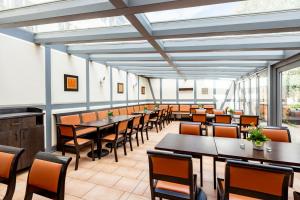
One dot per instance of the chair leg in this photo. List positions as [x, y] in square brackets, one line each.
[77, 159]
[28, 195]
[130, 143]
[215, 173]
[137, 138]
[147, 134]
[156, 123]
[115, 152]
[124, 146]
[92, 150]
[142, 136]
[63, 152]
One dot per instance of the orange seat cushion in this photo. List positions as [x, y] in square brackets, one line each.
[85, 131]
[45, 175]
[80, 141]
[6, 161]
[112, 136]
[236, 196]
[175, 187]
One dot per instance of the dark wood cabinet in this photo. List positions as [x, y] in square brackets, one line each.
[23, 127]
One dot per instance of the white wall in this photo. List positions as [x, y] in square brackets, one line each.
[144, 83]
[22, 72]
[169, 89]
[62, 63]
[99, 92]
[132, 87]
[155, 82]
[118, 76]
[186, 94]
[205, 84]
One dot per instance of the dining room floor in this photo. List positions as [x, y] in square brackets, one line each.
[105, 179]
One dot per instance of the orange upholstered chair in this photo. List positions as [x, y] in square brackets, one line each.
[158, 120]
[123, 111]
[190, 128]
[9, 158]
[246, 121]
[193, 110]
[218, 112]
[209, 108]
[184, 108]
[175, 107]
[118, 137]
[70, 141]
[202, 119]
[47, 176]
[150, 107]
[277, 134]
[115, 111]
[245, 180]
[102, 114]
[238, 112]
[200, 111]
[136, 108]
[134, 130]
[130, 110]
[223, 119]
[171, 176]
[145, 127]
[70, 119]
[89, 117]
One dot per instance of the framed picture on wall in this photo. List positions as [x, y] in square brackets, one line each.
[71, 83]
[120, 87]
[204, 91]
[143, 90]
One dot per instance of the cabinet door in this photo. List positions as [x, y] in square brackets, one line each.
[9, 138]
[32, 140]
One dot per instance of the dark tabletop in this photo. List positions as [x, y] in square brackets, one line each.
[282, 153]
[106, 121]
[143, 112]
[188, 144]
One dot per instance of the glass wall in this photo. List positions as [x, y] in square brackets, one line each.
[263, 96]
[247, 96]
[253, 95]
[290, 95]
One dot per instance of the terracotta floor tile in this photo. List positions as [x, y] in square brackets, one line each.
[105, 179]
[128, 172]
[78, 188]
[103, 193]
[126, 184]
[82, 174]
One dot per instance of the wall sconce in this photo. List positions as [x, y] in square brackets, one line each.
[134, 85]
[102, 79]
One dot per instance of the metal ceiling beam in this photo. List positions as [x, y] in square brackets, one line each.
[238, 43]
[62, 11]
[267, 22]
[143, 26]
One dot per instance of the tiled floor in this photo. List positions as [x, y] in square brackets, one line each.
[126, 180]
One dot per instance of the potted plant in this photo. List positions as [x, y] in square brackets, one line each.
[200, 105]
[145, 108]
[257, 138]
[110, 114]
[156, 106]
[231, 111]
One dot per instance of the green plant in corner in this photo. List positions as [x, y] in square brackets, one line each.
[257, 137]
[145, 108]
[200, 105]
[231, 111]
[110, 114]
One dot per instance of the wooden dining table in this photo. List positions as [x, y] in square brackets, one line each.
[230, 148]
[100, 125]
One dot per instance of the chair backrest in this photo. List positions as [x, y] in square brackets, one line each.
[102, 114]
[163, 106]
[47, 175]
[115, 112]
[130, 110]
[161, 168]
[184, 108]
[256, 180]
[200, 111]
[136, 122]
[218, 112]
[175, 107]
[238, 112]
[194, 106]
[209, 108]
[247, 120]
[66, 131]
[223, 119]
[193, 110]
[296, 195]
[9, 158]
[277, 134]
[150, 107]
[123, 111]
[89, 117]
[142, 107]
[226, 130]
[190, 128]
[199, 118]
[70, 119]
[122, 126]
[146, 118]
[136, 108]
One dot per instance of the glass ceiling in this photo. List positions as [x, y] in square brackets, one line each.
[10, 4]
[80, 24]
[225, 9]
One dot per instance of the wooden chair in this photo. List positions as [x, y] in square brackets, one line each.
[9, 158]
[244, 180]
[169, 182]
[169, 114]
[296, 195]
[190, 128]
[223, 119]
[246, 121]
[193, 110]
[72, 143]
[130, 110]
[123, 111]
[102, 114]
[134, 130]
[118, 137]
[89, 117]
[200, 111]
[238, 112]
[47, 176]
[157, 121]
[227, 131]
[202, 118]
[145, 127]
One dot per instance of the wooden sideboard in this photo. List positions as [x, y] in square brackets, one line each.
[23, 127]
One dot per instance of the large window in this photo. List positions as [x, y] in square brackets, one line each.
[263, 96]
[290, 93]
[253, 96]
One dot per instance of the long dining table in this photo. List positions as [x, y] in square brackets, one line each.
[230, 148]
[100, 125]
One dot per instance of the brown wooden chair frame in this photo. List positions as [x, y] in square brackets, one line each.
[145, 127]
[60, 194]
[229, 117]
[202, 123]
[223, 193]
[191, 123]
[158, 120]
[247, 124]
[77, 147]
[11, 180]
[134, 129]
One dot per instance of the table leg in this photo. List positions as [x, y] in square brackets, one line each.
[99, 152]
[201, 172]
[215, 171]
